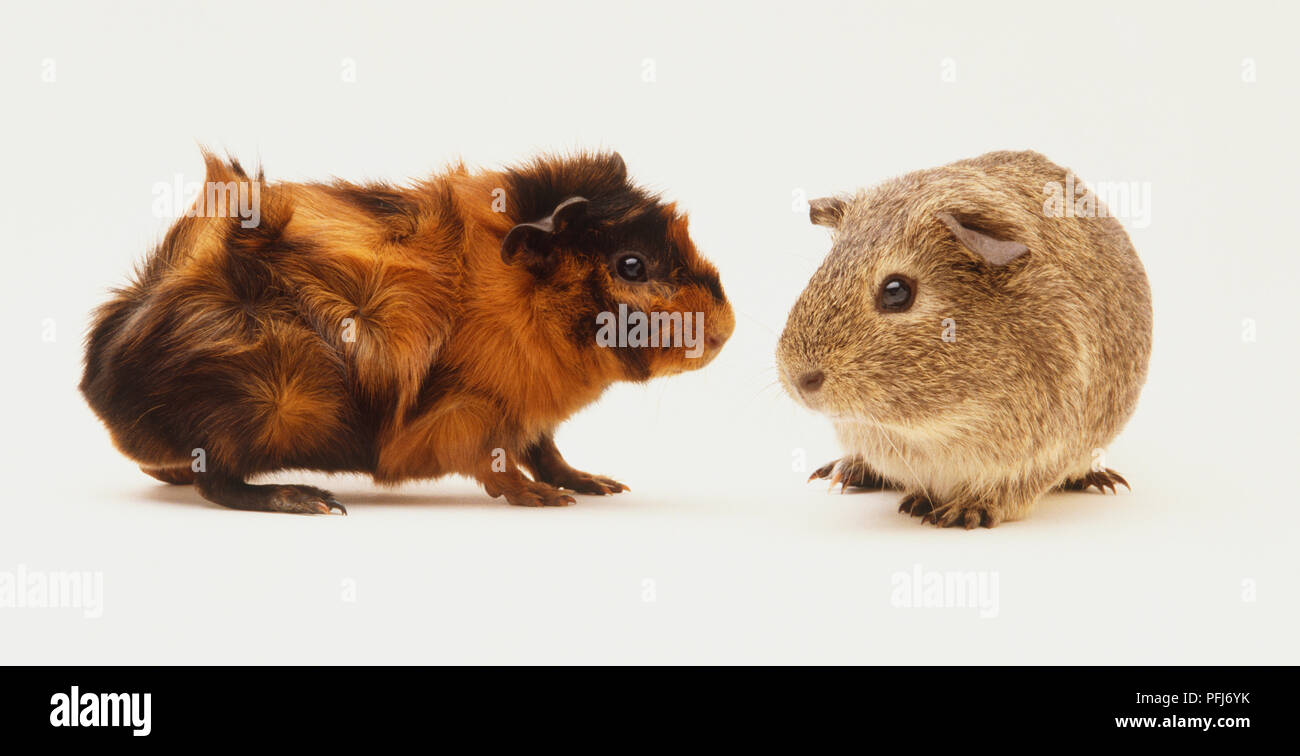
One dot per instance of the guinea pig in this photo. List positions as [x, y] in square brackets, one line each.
[974, 346]
[406, 332]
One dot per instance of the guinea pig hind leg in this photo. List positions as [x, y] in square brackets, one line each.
[230, 491]
[544, 461]
[180, 475]
[852, 471]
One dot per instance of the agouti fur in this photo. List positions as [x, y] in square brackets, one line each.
[1018, 356]
[401, 331]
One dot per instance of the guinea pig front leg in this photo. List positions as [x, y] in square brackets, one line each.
[970, 508]
[543, 459]
[852, 471]
[499, 473]
[964, 510]
[520, 491]
[465, 434]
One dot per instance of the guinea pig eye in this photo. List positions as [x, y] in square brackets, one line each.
[896, 294]
[630, 267]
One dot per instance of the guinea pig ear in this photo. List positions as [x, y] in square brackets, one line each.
[827, 211]
[619, 165]
[992, 251]
[535, 237]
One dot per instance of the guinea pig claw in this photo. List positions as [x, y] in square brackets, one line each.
[539, 495]
[328, 507]
[586, 483]
[851, 473]
[916, 505]
[557, 500]
[611, 486]
[967, 515]
[824, 471]
[1102, 480]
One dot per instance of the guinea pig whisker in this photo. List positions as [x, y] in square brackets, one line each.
[763, 390]
[880, 427]
[761, 324]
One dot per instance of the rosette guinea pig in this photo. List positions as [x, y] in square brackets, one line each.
[975, 345]
[406, 332]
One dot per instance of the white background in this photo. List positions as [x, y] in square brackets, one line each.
[751, 103]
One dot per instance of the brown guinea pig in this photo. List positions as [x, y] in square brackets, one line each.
[973, 347]
[404, 332]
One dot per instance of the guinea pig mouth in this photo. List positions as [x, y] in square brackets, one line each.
[681, 363]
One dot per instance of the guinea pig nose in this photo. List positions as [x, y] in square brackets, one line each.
[714, 341]
[812, 381]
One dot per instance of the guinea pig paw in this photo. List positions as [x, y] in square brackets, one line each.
[824, 472]
[969, 515]
[1101, 479]
[916, 505]
[850, 472]
[611, 485]
[586, 483]
[303, 500]
[539, 495]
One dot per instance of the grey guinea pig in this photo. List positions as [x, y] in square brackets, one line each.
[975, 345]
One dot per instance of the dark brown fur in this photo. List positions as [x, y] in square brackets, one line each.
[234, 340]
